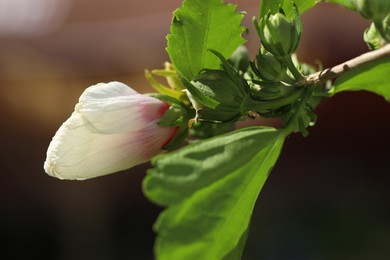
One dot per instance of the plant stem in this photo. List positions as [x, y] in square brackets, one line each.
[336, 71]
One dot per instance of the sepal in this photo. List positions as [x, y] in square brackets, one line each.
[177, 115]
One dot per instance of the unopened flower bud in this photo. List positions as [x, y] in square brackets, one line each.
[375, 10]
[373, 38]
[279, 34]
[225, 93]
[220, 87]
[269, 68]
[113, 128]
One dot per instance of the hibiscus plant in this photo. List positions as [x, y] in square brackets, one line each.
[206, 174]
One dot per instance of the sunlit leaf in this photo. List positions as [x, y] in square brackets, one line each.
[210, 189]
[373, 77]
[200, 25]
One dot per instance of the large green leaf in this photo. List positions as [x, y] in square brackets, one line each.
[210, 189]
[273, 6]
[200, 25]
[373, 77]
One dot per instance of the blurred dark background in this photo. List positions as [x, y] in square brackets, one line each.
[327, 198]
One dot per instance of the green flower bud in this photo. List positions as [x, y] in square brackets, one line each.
[373, 37]
[375, 10]
[218, 97]
[279, 34]
[269, 68]
[218, 85]
[205, 113]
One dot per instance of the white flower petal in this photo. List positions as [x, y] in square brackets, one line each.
[103, 91]
[107, 133]
[121, 111]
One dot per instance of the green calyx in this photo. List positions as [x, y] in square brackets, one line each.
[218, 85]
[215, 96]
[218, 95]
[279, 34]
[178, 115]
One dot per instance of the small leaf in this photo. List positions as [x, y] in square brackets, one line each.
[373, 77]
[200, 25]
[273, 6]
[210, 188]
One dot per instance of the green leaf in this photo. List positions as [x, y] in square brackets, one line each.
[210, 189]
[237, 251]
[373, 77]
[273, 6]
[346, 3]
[200, 25]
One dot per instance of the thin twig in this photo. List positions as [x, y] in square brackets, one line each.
[354, 63]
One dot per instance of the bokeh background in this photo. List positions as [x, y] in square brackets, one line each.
[327, 198]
